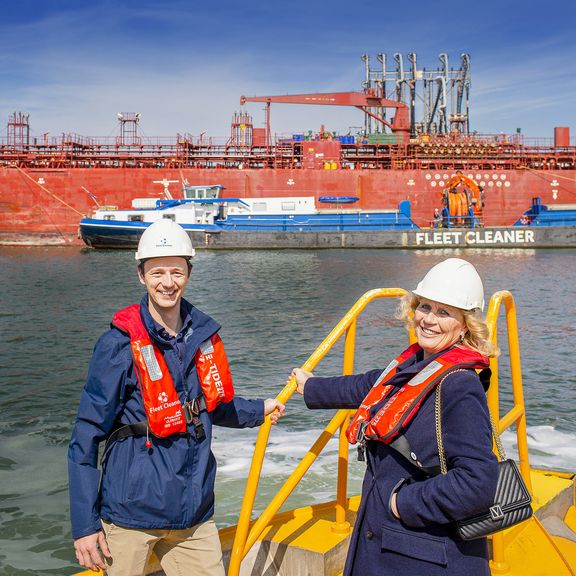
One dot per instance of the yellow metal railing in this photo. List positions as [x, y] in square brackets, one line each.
[247, 535]
[517, 414]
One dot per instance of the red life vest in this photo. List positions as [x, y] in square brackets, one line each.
[164, 411]
[214, 373]
[397, 412]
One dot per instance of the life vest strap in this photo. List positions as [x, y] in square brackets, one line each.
[125, 431]
[191, 409]
[401, 445]
[122, 431]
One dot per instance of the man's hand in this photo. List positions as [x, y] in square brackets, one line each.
[91, 550]
[273, 408]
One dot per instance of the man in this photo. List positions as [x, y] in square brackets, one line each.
[157, 382]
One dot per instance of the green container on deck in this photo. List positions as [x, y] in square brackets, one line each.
[382, 139]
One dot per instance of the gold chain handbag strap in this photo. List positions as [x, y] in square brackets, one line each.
[438, 422]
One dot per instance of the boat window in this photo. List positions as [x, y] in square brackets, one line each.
[169, 216]
[109, 217]
[288, 206]
[135, 218]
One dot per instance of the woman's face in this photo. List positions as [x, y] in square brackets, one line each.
[438, 326]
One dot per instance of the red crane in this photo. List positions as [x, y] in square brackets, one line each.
[362, 100]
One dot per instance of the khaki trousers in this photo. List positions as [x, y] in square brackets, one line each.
[185, 552]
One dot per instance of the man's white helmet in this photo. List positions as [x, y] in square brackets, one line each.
[164, 238]
[454, 282]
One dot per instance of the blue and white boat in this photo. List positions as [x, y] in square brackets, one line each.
[203, 210]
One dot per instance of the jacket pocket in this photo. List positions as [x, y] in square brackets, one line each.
[415, 545]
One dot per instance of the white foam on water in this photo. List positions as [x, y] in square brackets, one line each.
[547, 447]
[233, 450]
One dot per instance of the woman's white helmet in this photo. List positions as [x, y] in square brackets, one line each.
[454, 282]
[164, 238]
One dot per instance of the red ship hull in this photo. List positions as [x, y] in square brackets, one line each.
[44, 206]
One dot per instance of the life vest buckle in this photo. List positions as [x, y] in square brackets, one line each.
[361, 436]
[361, 439]
[193, 408]
[191, 411]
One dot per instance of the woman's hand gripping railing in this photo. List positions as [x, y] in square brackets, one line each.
[517, 414]
[245, 539]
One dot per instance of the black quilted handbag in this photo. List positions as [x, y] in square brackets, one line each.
[512, 502]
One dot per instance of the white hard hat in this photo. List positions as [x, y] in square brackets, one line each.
[164, 238]
[454, 282]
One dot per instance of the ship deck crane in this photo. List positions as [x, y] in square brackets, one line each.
[362, 100]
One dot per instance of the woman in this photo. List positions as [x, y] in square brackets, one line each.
[405, 524]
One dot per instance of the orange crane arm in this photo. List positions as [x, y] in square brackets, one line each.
[361, 100]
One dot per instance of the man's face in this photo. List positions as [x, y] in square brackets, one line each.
[165, 279]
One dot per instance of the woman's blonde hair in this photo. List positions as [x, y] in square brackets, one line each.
[477, 336]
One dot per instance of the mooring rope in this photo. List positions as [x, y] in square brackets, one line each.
[48, 191]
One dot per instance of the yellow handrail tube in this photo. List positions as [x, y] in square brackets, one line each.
[517, 414]
[342, 526]
[243, 541]
[291, 483]
[245, 538]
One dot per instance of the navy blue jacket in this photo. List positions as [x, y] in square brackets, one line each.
[170, 486]
[422, 543]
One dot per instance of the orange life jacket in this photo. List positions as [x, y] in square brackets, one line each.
[401, 407]
[164, 411]
[214, 373]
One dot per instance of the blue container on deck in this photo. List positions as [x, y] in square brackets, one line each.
[298, 137]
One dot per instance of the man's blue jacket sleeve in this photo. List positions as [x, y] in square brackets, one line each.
[99, 405]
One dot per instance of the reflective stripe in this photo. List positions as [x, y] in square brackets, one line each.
[154, 371]
[425, 373]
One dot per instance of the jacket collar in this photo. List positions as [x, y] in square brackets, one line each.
[416, 363]
[196, 326]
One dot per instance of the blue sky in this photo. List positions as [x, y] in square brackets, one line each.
[183, 64]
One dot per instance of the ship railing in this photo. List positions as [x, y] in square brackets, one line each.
[247, 533]
[76, 140]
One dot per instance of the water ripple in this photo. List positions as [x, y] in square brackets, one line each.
[275, 308]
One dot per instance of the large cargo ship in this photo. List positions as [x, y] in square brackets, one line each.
[415, 138]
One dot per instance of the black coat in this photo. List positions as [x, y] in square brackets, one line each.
[423, 541]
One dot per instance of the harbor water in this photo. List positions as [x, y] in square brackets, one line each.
[275, 308]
